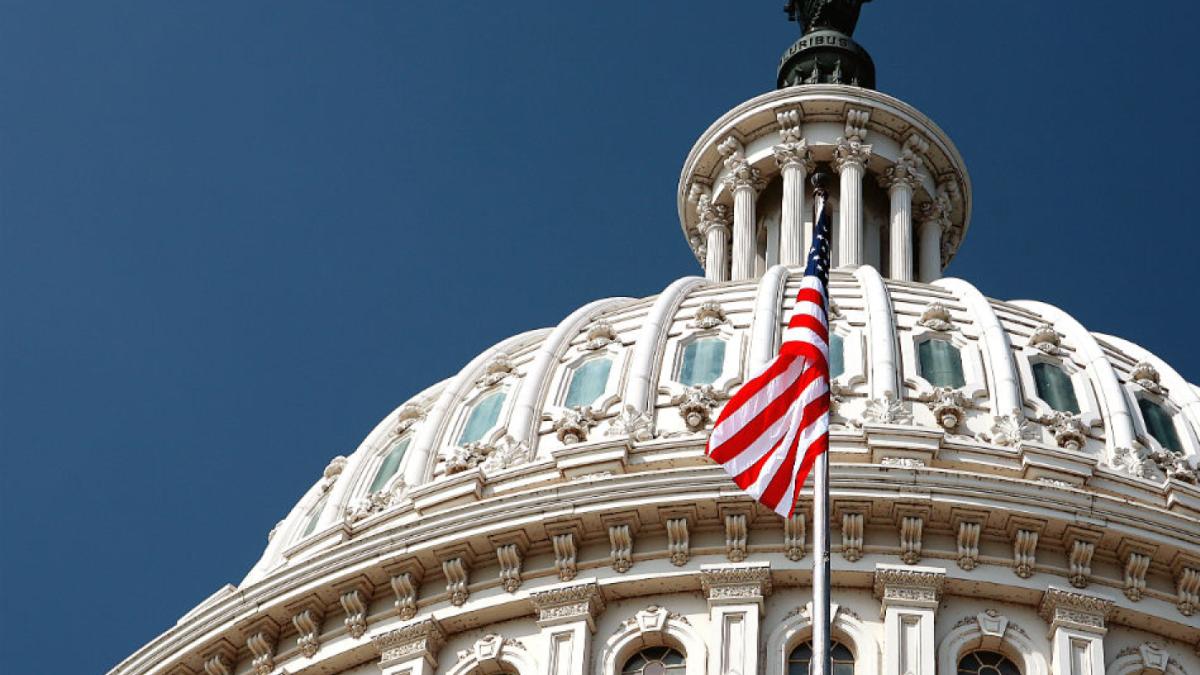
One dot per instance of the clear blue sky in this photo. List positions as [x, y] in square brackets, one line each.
[234, 235]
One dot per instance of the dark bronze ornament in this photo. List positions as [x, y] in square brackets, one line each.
[825, 53]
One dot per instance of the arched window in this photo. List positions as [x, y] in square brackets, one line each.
[391, 464]
[313, 516]
[482, 418]
[587, 383]
[987, 663]
[703, 361]
[840, 656]
[837, 359]
[655, 661]
[1160, 425]
[1054, 386]
[941, 363]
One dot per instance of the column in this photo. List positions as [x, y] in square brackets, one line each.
[567, 616]
[1077, 628]
[900, 180]
[850, 160]
[735, 603]
[410, 650]
[909, 597]
[744, 181]
[795, 163]
[714, 227]
[930, 233]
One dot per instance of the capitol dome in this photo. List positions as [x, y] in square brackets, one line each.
[1011, 493]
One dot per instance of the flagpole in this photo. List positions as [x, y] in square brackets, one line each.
[820, 664]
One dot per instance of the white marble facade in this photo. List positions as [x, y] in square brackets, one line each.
[1003, 480]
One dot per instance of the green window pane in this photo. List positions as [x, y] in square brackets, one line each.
[482, 418]
[1054, 387]
[391, 464]
[837, 359]
[314, 515]
[587, 383]
[703, 361]
[941, 363]
[1160, 425]
[841, 658]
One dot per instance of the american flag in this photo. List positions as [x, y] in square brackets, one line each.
[772, 430]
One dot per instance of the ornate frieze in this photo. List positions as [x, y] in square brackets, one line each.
[573, 424]
[564, 604]
[419, 640]
[735, 583]
[1061, 607]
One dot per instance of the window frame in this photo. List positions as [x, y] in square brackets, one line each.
[970, 352]
[1189, 443]
[731, 367]
[492, 433]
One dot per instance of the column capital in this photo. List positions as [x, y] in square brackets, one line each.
[851, 152]
[419, 640]
[1072, 609]
[909, 586]
[568, 603]
[711, 215]
[793, 153]
[904, 173]
[742, 176]
[737, 584]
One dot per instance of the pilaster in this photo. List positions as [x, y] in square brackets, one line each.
[735, 596]
[567, 616]
[909, 597]
[411, 649]
[1077, 628]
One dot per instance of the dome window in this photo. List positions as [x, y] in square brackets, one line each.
[987, 663]
[390, 465]
[1160, 425]
[313, 517]
[703, 361]
[799, 660]
[655, 661]
[588, 382]
[1054, 387]
[941, 364]
[837, 359]
[483, 417]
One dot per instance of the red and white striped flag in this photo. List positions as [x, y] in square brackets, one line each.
[774, 427]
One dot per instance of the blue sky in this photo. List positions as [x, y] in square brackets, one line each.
[234, 235]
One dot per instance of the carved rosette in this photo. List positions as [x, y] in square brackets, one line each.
[696, 405]
[1006, 430]
[948, 405]
[638, 426]
[887, 409]
[1068, 430]
[573, 424]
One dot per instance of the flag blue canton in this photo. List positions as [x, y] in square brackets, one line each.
[818, 254]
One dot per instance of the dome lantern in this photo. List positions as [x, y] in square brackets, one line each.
[826, 53]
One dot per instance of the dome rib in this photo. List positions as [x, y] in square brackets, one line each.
[418, 467]
[650, 342]
[531, 399]
[764, 326]
[1113, 407]
[998, 350]
[881, 331]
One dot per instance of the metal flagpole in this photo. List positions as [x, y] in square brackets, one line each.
[820, 664]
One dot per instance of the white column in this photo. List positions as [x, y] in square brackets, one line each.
[735, 603]
[1077, 628]
[899, 184]
[410, 650]
[744, 181]
[795, 163]
[850, 159]
[930, 245]
[909, 597]
[567, 616]
[714, 226]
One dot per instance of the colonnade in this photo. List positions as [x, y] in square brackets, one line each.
[794, 159]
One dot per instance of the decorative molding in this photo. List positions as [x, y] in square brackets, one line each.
[355, 597]
[1069, 431]
[1146, 376]
[1025, 552]
[794, 536]
[696, 405]
[500, 368]
[735, 537]
[600, 335]
[262, 635]
[564, 555]
[573, 424]
[677, 540]
[903, 462]
[220, 659]
[1046, 340]
[949, 406]
[422, 639]
[1081, 546]
[307, 619]
[887, 409]
[937, 317]
[1187, 590]
[1136, 566]
[911, 527]
[790, 121]
[565, 604]
[405, 586]
[407, 417]
[376, 502]
[1063, 608]
[741, 174]
[638, 426]
[621, 539]
[709, 315]
[968, 544]
[908, 586]
[724, 584]
[852, 536]
[1006, 430]
[332, 471]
